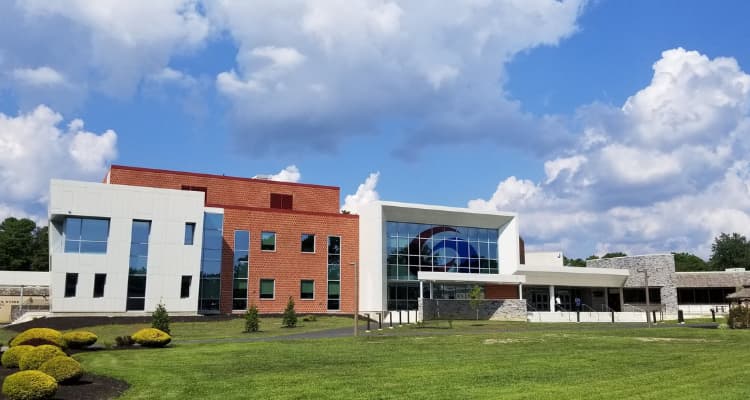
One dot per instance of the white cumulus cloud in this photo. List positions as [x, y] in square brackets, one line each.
[42, 76]
[366, 193]
[288, 174]
[34, 149]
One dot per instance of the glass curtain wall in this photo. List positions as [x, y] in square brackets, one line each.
[209, 291]
[140, 233]
[239, 283]
[415, 247]
[334, 272]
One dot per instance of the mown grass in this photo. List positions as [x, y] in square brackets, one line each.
[535, 364]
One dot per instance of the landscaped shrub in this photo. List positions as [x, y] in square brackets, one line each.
[151, 337]
[13, 355]
[739, 317]
[160, 319]
[63, 369]
[39, 336]
[79, 339]
[29, 385]
[252, 322]
[290, 316]
[124, 341]
[35, 357]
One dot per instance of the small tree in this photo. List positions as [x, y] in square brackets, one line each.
[290, 316]
[252, 322]
[160, 319]
[475, 296]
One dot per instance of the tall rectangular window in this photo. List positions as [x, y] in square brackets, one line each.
[239, 283]
[334, 272]
[189, 233]
[307, 244]
[281, 201]
[267, 288]
[99, 281]
[139, 237]
[268, 241]
[187, 280]
[71, 283]
[86, 235]
[209, 292]
[307, 289]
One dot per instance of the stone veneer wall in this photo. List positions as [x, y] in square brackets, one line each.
[661, 273]
[506, 310]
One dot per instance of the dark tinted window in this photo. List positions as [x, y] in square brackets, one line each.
[185, 286]
[282, 201]
[308, 243]
[99, 281]
[71, 282]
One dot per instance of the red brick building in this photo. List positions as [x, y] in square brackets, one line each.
[292, 249]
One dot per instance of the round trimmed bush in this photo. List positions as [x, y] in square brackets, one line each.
[64, 369]
[38, 337]
[29, 385]
[151, 337]
[79, 339]
[13, 355]
[35, 357]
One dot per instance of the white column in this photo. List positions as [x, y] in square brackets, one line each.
[432, 296]
[520, 291]
[421, 289]
[552, 297]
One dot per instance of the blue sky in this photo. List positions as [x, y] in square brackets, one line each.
[608, 125]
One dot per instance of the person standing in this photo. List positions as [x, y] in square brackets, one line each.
[558, 306]
[578, 303]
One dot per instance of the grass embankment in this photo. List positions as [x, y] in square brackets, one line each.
[559, 363]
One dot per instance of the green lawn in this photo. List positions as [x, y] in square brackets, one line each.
[556, 363]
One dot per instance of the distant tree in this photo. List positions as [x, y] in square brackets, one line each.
[23, 246]
[615, 254]
[686, 262]
[160, 319]
[252, 322]
[290, 316]
[475, 299]
[592, 257]
[730, 251]
[574, 262]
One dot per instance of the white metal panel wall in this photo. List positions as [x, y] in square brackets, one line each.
[168, 259]
[372, 273]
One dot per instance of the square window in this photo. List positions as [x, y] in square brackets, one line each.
[308, 243]
[71, 283]
[189, 232]
[99, 281]
[281, 201]
[268, 241]
[267, 288]
[307, 289]
[187, 280]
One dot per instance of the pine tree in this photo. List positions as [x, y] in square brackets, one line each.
[160, 319]
[252, 322]
[290, 316]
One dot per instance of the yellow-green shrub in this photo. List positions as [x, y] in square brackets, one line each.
[13, 355]
[151, 337]
[35, 357]
[39, 336]
[63, 369]
[29, 385]
[79, 339]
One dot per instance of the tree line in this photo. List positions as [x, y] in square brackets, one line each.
[24, 246]
[727, 251]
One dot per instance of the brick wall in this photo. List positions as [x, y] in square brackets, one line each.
[225, 191]
[501, 292]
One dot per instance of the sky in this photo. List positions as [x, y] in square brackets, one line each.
[606, 125]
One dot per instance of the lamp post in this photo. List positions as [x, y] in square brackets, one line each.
[648, 302]
[356, 297]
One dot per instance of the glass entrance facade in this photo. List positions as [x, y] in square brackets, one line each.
[413, 247]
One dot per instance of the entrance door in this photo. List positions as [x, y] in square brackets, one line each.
[614, 301]
[541, 301]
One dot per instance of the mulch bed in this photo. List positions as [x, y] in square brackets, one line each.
[90, 387]
[67, 323]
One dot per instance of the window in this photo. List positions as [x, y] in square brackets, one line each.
[281, 201]
[307, 290]
[187, 280]
[308, 243]
[86, 235]
[266, 288]
[209, 289]
[334, 272]
[139, 237]
[189, 232]
[71, 282]
[99, 281]
[240, 266]
[268, 241]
